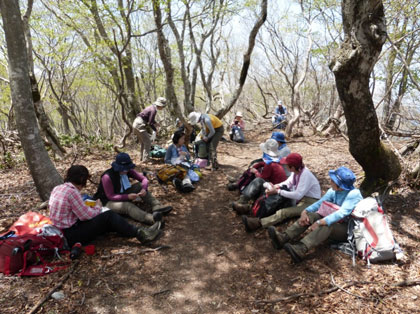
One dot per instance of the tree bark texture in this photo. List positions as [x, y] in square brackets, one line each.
[364, 36]
[42, 169]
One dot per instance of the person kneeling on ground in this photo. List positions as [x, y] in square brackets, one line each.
[177, 153]
[303, 187]
[81, 223]
[237, 128]
[116, 192]
[327, 219]
[271, 172]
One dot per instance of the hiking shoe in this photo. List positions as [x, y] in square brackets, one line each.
[251, 224]
[241, 208]
[157, 216]
[178, 184]
[297, 252]
[232, 186]
[164, 210]
[278, 240]
[147, 235]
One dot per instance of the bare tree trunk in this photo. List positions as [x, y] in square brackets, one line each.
[247, 60]
[42, 169]
[364, 36]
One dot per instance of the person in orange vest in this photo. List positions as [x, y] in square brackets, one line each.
[211, 132]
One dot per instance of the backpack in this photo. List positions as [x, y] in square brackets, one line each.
[245, 179]
[266, 206]
[369, 233]
[170, 172]
[157, 152]
[26, 254]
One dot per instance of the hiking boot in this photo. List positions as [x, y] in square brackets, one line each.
[232, 186]
[251, 224]
[147, 235]
[156, 206]
[177, 184]
[157, 216]
[297, 252]
[164, 210]
[278, 240]
[241, 208]
[156, 226]
[214, 165]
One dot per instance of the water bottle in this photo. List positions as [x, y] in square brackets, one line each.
[76, 250]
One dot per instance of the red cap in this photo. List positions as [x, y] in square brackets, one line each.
[293, 159]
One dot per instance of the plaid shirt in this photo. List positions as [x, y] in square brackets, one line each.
[67, 206]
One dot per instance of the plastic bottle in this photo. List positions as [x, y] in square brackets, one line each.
[76, 250]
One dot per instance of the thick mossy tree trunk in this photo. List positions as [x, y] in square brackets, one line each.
[42, 169]
[364, 36]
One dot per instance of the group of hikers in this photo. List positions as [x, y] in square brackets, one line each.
[274, 188]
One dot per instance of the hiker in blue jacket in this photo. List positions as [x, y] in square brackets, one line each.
[326, 218]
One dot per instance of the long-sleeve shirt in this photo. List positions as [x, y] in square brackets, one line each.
[115, 196]
[172, 154]
[272, 172]
[347, 200]
[284, 151]
[280, 110]
[241, 124]
[67, 207]
[208, 124]
[148, 115]
[304, 184]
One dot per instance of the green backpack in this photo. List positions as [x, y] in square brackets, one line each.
[157, 152]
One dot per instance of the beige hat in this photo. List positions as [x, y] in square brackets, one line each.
[239, 114]
[160, 102]
[270, 147]
[193, 117]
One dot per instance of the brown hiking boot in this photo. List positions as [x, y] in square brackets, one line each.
[297, 252]
[232, 186]
[251, 224]
[241, 208]
[277, 239]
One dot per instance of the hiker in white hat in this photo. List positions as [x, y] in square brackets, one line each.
[145, 123]
[237, 128]
[211, 132]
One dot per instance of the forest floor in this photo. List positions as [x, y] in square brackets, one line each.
[213, 265]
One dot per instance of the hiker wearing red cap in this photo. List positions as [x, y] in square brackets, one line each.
[302, 186]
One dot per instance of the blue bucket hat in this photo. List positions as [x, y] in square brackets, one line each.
[122, 162]
[278, 136]
[343, 177]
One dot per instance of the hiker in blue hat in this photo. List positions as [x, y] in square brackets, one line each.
[118, 194]
[327, 219]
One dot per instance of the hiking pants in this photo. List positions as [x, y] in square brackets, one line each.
[143, 136]
[129, 208]
[88, 230]
[288, 212]
[336, 232]
[214, 141]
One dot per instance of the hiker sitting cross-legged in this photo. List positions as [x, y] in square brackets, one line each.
[327, 219]
[177, 153]
[271, 171]
[117, 193]
[81, 223]
[302, 187]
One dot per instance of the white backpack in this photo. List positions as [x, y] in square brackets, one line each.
[372, 238]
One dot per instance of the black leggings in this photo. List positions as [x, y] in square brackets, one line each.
[88, 230]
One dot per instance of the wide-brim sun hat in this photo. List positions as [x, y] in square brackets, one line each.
[279, 137]
[193, 117]
[343, 177]
[270, 147]
[123, 162]
[293, 159]
[239, 114]
[160, 102]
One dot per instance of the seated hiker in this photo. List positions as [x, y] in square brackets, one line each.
[271, 171]
[279, 115]
[211, 132]
[117, 193]
[177, 153]
[237, 128]
[81, 223]
[327, 219]
[303, 187]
